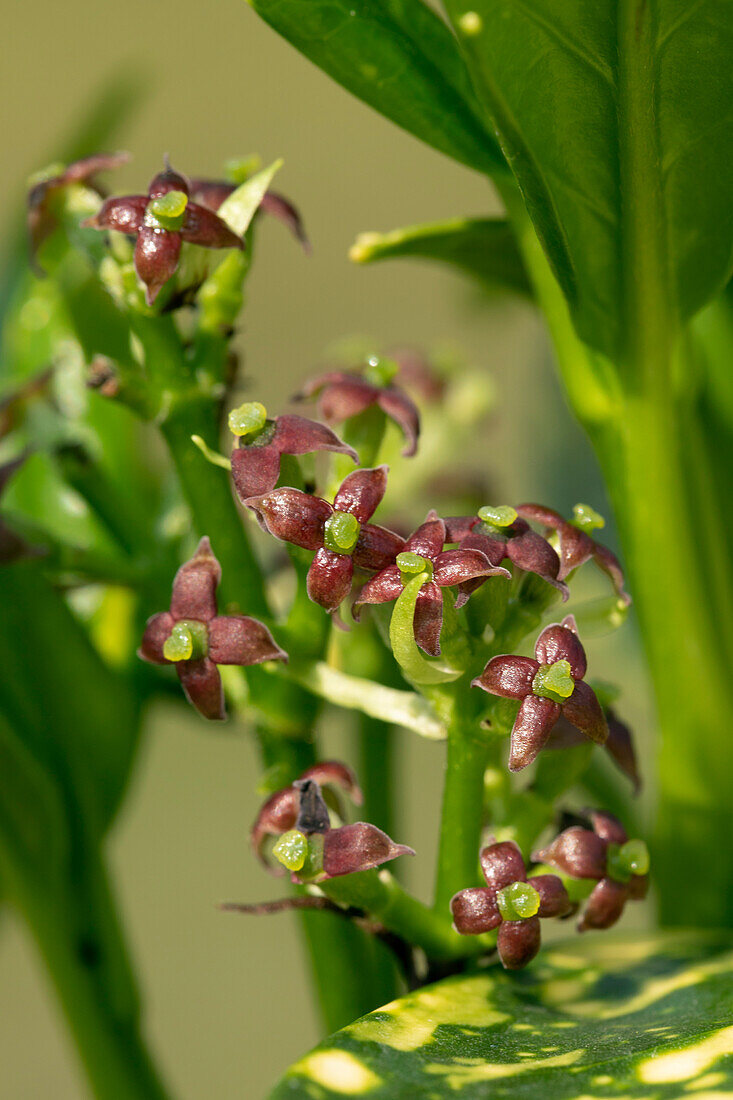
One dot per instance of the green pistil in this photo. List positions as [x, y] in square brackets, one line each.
[292, 850]
[379, 371]
[518, 901]
[248, 419]
[341, 533]
[586, 518]
[168, 210]
[501, 516]
[410, 565]
[187, 641]
[554, 682]
[625, 860]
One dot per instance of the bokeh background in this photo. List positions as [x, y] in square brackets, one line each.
[227, 1004]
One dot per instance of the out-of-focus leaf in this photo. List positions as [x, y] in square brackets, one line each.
[645, 1017]
[484, 248]
[615, 117]
[240, 207]
[400, 58]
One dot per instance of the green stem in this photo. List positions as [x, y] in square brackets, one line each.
[376, 745]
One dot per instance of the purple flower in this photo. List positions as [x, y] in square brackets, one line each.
[256, 459]
[511, 903]
[343, 394]
[212, 193]
[550, 685]
[196, 639]
[620, 866]
[161, 221]
[576, 544]
[423, 552]
[338, 532]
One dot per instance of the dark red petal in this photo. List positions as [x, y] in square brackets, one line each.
[620, 745]
[361, 492]
[428, 618]
[81, 170]
[606, 826]
[546, 517]
[292, 516]
[518, 942]
[346, 397]
[638, 887]
[609, 563]
[534, 554]
[157, 252]
[165, 181]
[296, 435]
[508, 676]
[575, 546]
[333, 773]
[457, 528]
[531, 729]
[329, 578]
[239, 640]
[502, 863]
[559, 643]
[125, 214]
[278, 207]
[211, 193]
[314, 385]
[494, 549]
[564, 736]
[583, 710]
[157, 629]
[358, 847]
[255, 470]
[382, 588]
[474, 911]
[402, 409]
[195, 584]
[203, 227]
[202, 684]
[554, 900]
[577, 852]
[377, 547]
[458, 566]
[604, 906]
[429, 539]
[277, 816]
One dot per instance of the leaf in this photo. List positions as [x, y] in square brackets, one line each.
[400, 58]
[240, 207]
[648, 1016]
[616, 119]
[484, 248]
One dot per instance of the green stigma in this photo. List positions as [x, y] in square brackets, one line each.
[188, 640]
[554, 682]
[501, 516]
[625, 860]
[292, 850]
[379, 371]
[168, 209]
[518, 901]
[247, 419]
[586, 518]
[410, 564]
[341, 533]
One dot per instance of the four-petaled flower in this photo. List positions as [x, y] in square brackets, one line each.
[343, 394]
[196, 639]
[510, 902]
[161, 221]
[339, 532]
[576, 544]
[423, 553]
[549, 685]
[261, 442]
[620, 866]
[313, 851]
[499, 534]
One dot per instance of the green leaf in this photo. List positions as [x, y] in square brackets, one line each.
[241, 206]
[648, 1016]
[615, 117]
[400, 58]
[484, 248]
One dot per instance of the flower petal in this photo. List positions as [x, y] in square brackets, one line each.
[402, 409]
[559, 643]
[502, 863]
[475, 911]
[583, 710]
[531, 729]
[457, 528]
[384, 587]
[508, 676]
[296, 435]
[518, 942]
[125, 214]
[620, 745]
[494, 549]
[255, 470]
[457, 566]
[277, 816]
[329, 578]
[606, 826]
[604, 906]
[577, 852]
[361, 492]
[333, 773]
[277, 206]
[609, 563]
[345, 396]
[428, 540]
[157, 629]
[534, 554]
[157, 252]
[377, 547]
[203, 227]
[195, 584]
[428, 619]
[638, 887]
[239, 640]
[554, 900]
[292, 516]
[359, 847]
[202, 684]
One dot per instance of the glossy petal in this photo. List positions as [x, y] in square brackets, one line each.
[203, 227]
[559, 643]
[395, 403]
[457, 566]
[334, 773]
[239, 640]
[493, 548]
[211, 193]
[577, 852]
[475, 911]
[604, 906]
[638, 887]
[609, 563]
[157, 629]
[202, 684]
[277, 816]
[457, 528]
[531, 729]
[508, 676]
[428, 618]
[296, 435]
[620, 745]
[345, 397]
[255, 470]
[502, 863]
[195, 584]
[428, 540]
[329, 578]
[157, 252]
[583, 710]
[384, 587]
[292, 516]
[607, 827]
[361, 492]
[377, 547]
[167, 180]
[277, 206]
[534, 554]
[518, 942]
[125, 214]
[359, 847]
[554, 900]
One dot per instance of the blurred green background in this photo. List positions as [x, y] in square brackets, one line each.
[227, 1005]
